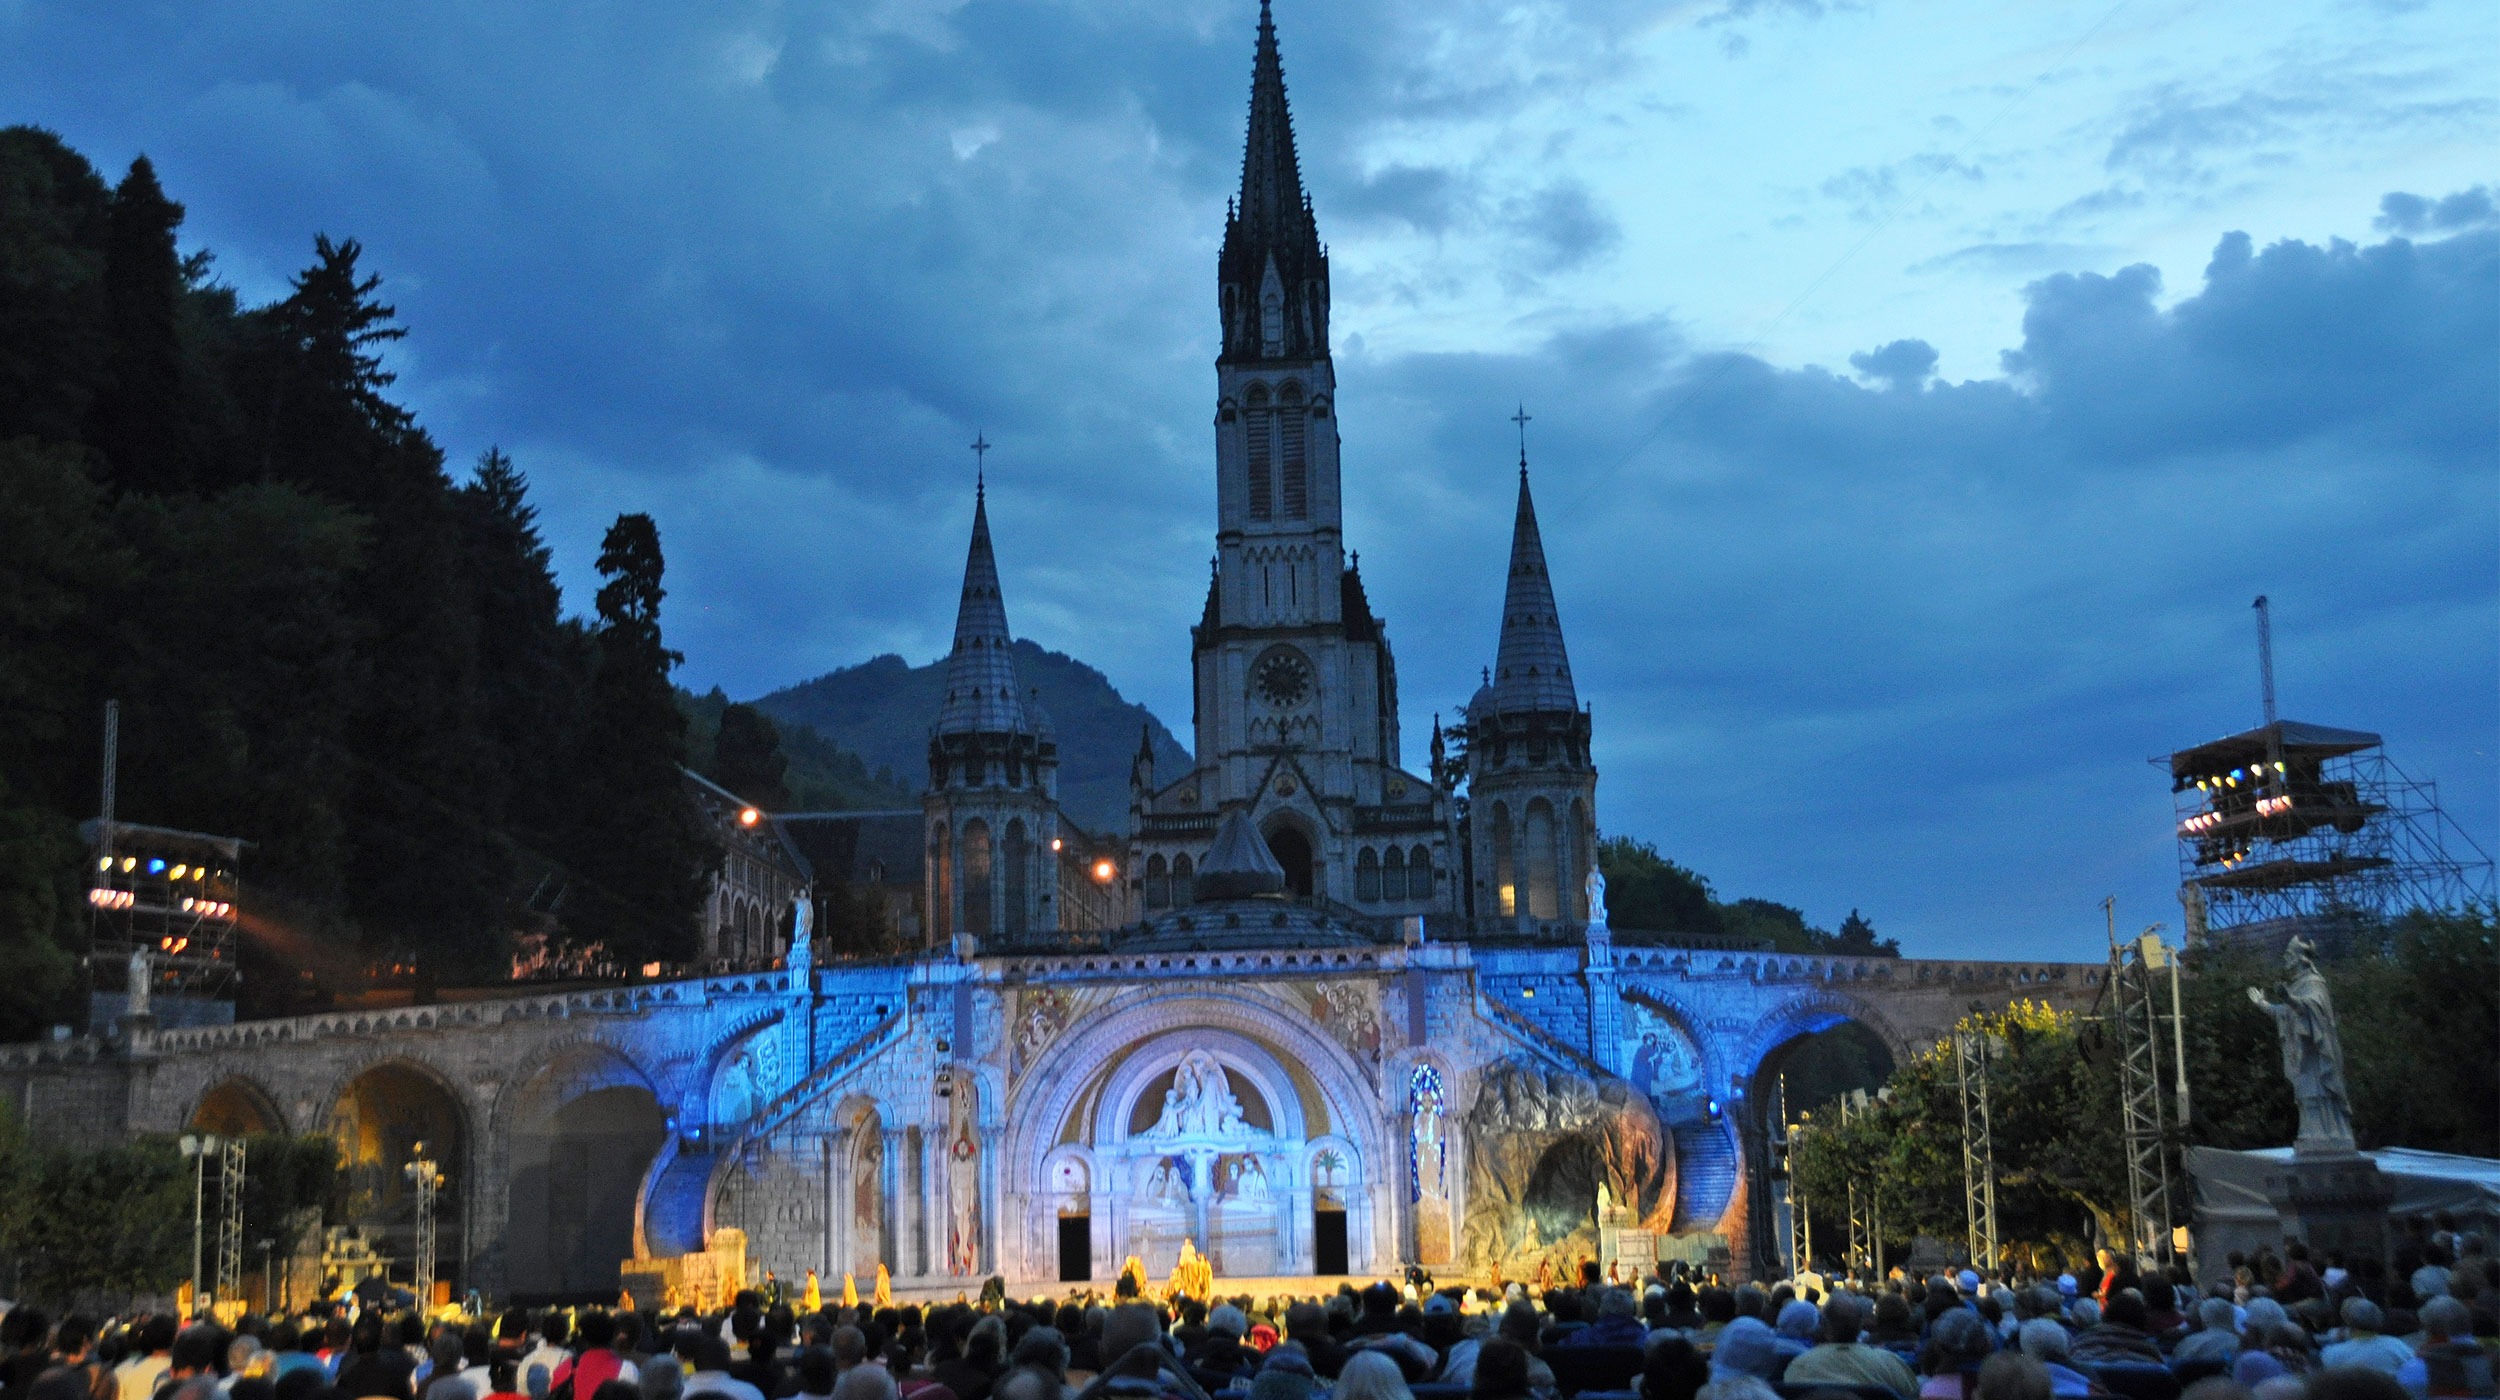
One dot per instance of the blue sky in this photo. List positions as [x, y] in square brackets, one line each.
[1921, 392]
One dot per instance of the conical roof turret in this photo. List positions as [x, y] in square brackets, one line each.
[982, 696]
[1531, 671]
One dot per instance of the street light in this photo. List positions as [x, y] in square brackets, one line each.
[199, 1148]
[269, 1275]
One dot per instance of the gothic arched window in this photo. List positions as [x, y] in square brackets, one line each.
[1017, 853]
[1158, 884]
[1182, 893]
[1393, 874]
[1259, 433]
[1367, 875]
[978, 878]
[1538, 835]
[1419, 873]
[1293, 451]
[1505, 865]
[941, 883]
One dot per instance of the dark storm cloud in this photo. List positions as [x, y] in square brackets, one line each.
[2411, 213]
[1847, 639]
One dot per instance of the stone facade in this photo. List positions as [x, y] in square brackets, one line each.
[944, 1115]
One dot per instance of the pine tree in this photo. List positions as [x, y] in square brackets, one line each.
[55, 212]
[638, 854]
[1856, 938]
[323, 420]
[747, 758]
[138, 421]
[532, 666]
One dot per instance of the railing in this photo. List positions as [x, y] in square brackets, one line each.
[788, 1102]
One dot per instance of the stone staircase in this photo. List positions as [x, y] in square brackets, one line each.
[673, 1213]
[1705, 1173]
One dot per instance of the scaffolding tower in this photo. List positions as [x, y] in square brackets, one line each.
[1971, 1052]
[426, 1175]
[230, 1221]
[2135, 976]
[2294, 828]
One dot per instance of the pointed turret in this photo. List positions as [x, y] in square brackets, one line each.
[982, 696]
[1273, 274]
[1531, 671]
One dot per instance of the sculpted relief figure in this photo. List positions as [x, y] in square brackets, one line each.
[1596, 892]
[2313, 1056]
[1200, 1102]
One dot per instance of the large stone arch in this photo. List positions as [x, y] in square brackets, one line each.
[376, 1110]
[1064, 1071]
[235, 1106]
[1815, 1010]
[578, 1138]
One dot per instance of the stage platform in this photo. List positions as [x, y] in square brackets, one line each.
[1289, 1286]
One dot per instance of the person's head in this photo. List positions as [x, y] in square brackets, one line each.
[850, 1347]
[157, 1333]
[2216, 1315]
[817, 1371]
[1746, 1348]
[595, 1329]
[1371, 1375]
[445, 1348]
[617, 1390]
[1718, 1305]
[1228, 1320]
[503, 1376]
[2447, 1320]
[1501, 1370]
[1844, 1317]
[2362, 1316]
[195, 1350]
[1026, 1383]
[1044, 1349]
[1520, 1325]
[1672, 1369]
[2125, 1309]
[865, 1383]
[2013, 1376]
[1753, 1302]
[2043, 1340]
[1735, 1387]
[239, 1353]
[1960, 1343]
[1679, 1297]
[2085, 1312]
[711, 1352]
[1129, 1326]
[1798, 1321]
[1892, 1315]
[1616, 1306]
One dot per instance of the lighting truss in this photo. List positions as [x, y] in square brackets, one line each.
[230, 1178]
[2134, 983]
[1971, 1052]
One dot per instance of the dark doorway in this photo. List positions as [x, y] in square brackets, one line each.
[1293, 851]
[1076, 1248]
[1328, 1254]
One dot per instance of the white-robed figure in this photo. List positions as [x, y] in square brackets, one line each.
[2313, 1055]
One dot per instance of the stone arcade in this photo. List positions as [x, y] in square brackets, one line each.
[1339, 1032]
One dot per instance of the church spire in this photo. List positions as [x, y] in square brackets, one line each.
[1273, 273]
[1531, 671]
[982, 696]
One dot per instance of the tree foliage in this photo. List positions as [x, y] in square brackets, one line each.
[1646, 893]
[218, 514]
[2419, 1017]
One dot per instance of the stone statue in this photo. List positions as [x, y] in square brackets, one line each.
[1596, 892]
[142, 982]
[963, 1190]
[2313, 1057]
[1200, 1102]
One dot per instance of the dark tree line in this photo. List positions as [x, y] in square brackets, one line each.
[322, 643]
[1648, 893]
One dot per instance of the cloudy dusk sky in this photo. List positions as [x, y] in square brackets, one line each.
[1921, 392]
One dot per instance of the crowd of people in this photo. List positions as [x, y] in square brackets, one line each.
[2278, 1329]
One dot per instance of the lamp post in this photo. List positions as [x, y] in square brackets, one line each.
[268, 1275]
[198, 1148]
[427, 1175]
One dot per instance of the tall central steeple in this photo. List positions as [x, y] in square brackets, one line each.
[981, 693]
[1531, 671]
[1273, 275]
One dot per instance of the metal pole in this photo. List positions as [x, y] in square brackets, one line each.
[2178, 1036]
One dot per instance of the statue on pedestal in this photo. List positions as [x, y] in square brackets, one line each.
[1596, 892]
[142, 983]
[2313, 1057]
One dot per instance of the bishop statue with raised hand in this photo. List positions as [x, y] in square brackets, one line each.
[2313, 1055]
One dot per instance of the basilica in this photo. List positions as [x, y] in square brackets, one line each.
[1315, 1012]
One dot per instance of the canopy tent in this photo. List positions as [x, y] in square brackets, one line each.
[2234, 1212]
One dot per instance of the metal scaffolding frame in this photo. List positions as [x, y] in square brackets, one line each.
[230, 1178]
[1971, 1053]
[1862, 1219]
[2135, 975]
[427, 1176]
